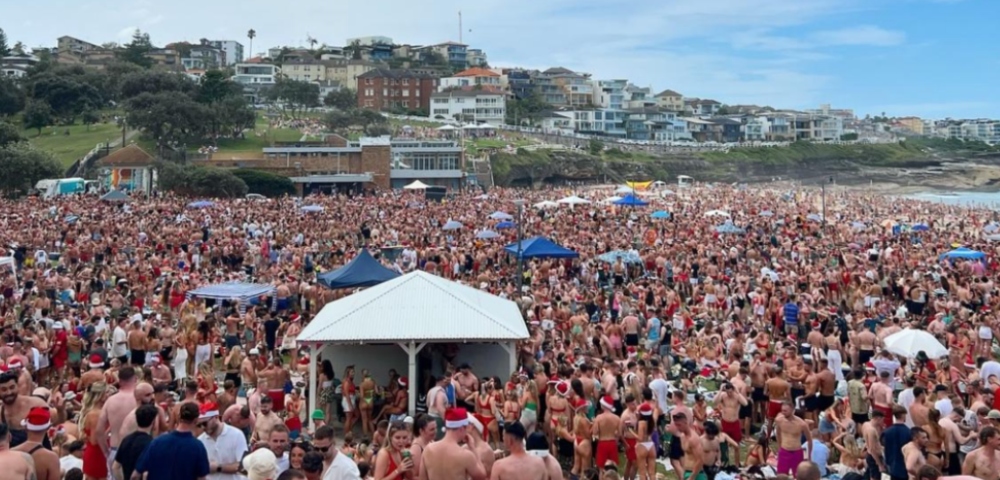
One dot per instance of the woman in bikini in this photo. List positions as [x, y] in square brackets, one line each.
[936, 438]
[582, 434]
[529, 406]
[349, 401]
[367, 393]
[645, 451]
[485, 403]
[393, 460]
[203, 348]
[511, 407]
[95, 465]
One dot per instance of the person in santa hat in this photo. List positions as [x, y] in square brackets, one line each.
[37, 424]
[94, 374]
[607, 426]
[453, 457]
[225, 444]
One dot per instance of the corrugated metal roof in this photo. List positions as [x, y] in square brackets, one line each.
[420, 307]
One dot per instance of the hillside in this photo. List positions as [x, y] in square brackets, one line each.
[801, 161]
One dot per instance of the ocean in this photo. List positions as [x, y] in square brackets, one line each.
[973, 199]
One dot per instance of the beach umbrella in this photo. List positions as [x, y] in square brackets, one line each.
[666, 191]
[858, 225]
[766, 213]
[632, 201]
[920, 227]
[487, 235]
[573, 200]
[613, 256]
[546, 204]
[991, 227]
[498, 215]
[313, 208]
[505, 225]
[611, 199]
[625, 189]
[962, 253]
[716, 213]
[814, 217]
[993, 238]
[729, 229]
[660, 214]
[201, 204]
[452, 225]
[909, 342]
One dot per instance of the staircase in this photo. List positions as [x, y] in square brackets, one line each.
[484, 173]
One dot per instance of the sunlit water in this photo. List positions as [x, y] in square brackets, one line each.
[972, 199]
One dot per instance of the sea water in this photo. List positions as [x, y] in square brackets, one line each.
[970, 199]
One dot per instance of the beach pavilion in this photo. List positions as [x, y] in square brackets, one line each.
[387, 326]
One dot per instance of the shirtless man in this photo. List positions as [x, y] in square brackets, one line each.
[712, 450]
[778, 391]
[607, 429]
[266, 420]
[519, 464]
[15, 407]
[790, 430]
[466, 384]
[448, 459]
[482, 449]
[880, 394]
[248, 369]
[94, 375]
[46, 461]
[950, 424]
[758, 376]
[865, 340]
[25, 385]
[692, 463]
[984, 462]
[729, 403]
[919, 411]
[137, 344]
[871, 432]
[824, 387]
[144, 396]
[913, 452]
[116, 409]
[161, 373]
[15, 465]
[537, 445]
[631, 325]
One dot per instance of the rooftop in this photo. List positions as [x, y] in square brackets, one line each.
[477, 72]
[393, 73]
[130, 156]
[668, 93]
[467, 93]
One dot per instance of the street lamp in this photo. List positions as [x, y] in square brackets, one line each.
[520, 264]
[823, 190]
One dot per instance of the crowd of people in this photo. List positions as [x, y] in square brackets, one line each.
[668, 347]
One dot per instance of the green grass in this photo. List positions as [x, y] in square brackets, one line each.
[473, 147]
[885, 154]
[394, 122]
[70, 148]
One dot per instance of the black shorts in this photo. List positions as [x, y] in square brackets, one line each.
[746, 411]
[676, 449]
[631, 339]
[758, 394]
[811, 403]
[860, 418]
[138, 357]
[824, 402]
[864, 356]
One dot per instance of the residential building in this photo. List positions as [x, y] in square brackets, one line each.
[17, 65]
[670, 100]
[304, 70]
[333, 53]
[204, 57]
[476, 106]
[911, 124]
[476, 57]
[479, 78]
[817, 127]
[655, 123]
[562, 87]
[519, 82]
[74, 45]
[638, 97]
[233, 50]
[610, 122]
[724, 130]
[456, 54]
[327, 87]
[610, 93]
[378, 52]
[982, 130]
[254, 77]
[346, 72]
[825, 110]
[387, 89]
[369, 41]
[166, 59]
[699, 107]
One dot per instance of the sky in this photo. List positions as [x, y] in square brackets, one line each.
[929, 58]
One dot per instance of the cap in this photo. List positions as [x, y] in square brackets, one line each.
[208, 410]
[96, 361]
[456, 418]
[254, 351]
[993, 415]
[408, 420]
[38, 419]
[262, 464]
[318, 414]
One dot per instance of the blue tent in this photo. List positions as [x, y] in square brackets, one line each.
[362, 271]
[540, 247]
[505, 225]
[114, 196]
[920, 227]
[660, 214]
[631, 201]
[963, 253]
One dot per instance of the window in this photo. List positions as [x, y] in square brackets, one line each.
[406, 103]
[385, 92]
[417, 90]
[406, 81]
[368, 81]
[406, 92]
[369, 103]
[370, 92]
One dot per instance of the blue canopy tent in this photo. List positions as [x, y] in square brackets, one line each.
[114, 196]
[505, 225]
[991, 227]
[362, 271]
[452, 225]
[962, 253]
[498, 215]
[920, 227]
[201, 204]
[487, 235]
[631, 201]
[541, 247]
[814, 217]
[242, 293]
[660, 215]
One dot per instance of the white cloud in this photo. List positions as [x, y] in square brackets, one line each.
[123, 34]
[860, 35]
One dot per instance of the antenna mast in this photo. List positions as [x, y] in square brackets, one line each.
[459, 26]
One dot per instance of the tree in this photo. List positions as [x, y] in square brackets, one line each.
[530, 108]
[215, 87]
[67, 90]
[4, 48]
[172, 118]
[37, 115]
[377, 131]
[9, 134]
[136, 50]
[11, 96]
[89, 117]
[355, 50]
[199, 181]
[151, 81]
[251, 34]
[231, 116]
[344, 99]
[21, 166]
[295, 95]
[337, 121]
[265, 183]
[595, 146]
[18, 49]
[110, 46]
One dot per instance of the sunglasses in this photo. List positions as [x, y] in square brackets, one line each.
[322, 449]
[201, 424]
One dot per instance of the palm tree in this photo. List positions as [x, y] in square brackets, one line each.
[251, 34]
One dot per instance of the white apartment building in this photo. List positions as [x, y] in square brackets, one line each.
[17, 65]
[256, 74]
[232, 48]
[304, 71]
[474, 77]
[470, 106]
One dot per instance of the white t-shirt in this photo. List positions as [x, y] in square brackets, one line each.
[944, 406]
[989, 369]
[905, 400]
[342, 468]
[119, 343]
[661, 388]
[228, 448]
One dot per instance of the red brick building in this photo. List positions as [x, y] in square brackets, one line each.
[387, 89]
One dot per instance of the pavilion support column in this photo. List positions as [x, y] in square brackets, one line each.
[511, 348]
[412, 349]
[313, 362]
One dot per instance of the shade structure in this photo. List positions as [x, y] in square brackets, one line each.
[416, 185]
[115, 196]
[241, 293]
[814, 217]
[201, 204]
[446, 128]
[625, 256]
[498, 215]
[625, 189]
[963, 253]
[573, 200]
[729, 229]
[362, 271]
[313, 208]
[546, 204]
[909, 342]
[506, 225]
[487, 126]
[632, 201]
[766, 213]
[452, 225]
[716, 213]
[660, 214]
[487, 234]
[920, 227]
[991, 227]
[611, 199]
[540, 247]
[993, 238]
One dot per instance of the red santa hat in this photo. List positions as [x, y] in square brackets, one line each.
[646, 410]
[632, 351]
[208, 410]
[456, 418]
[554, 379]
[608, 402]
[39, 419]
[563, 389]
[580, 404]
[15, 363]
[870, 366]
[96, 361]
[403, 382]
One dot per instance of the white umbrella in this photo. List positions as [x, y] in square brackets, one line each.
[908, 342]
[611, 199]
[716, 213]
[416, 185]
[625, 189]
[546, 204]
[446, 127]
[573, 200]
[452, 225]
[487, 235]
[498, 215]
